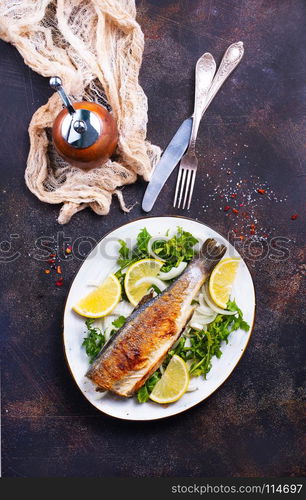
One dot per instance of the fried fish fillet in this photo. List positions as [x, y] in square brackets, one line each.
[139, 347]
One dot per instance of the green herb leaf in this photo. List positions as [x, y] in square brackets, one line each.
[156, 289]
[203, 345]
[119, 322]
[180, 248]
[144, 392]
[124, 255]
[94, 341]
[141, 249]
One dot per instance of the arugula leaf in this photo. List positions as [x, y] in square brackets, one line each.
[94, 341]
[238, 320]
[144, 392]
[141, 249]
[180, 248]
[119, 322]
[156, 289]
[124, 255]
[128, 257]
[203, 345]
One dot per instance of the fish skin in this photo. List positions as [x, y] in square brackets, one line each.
[139, 347]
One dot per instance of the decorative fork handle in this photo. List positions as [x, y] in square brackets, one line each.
[204, 73]
[230, 60]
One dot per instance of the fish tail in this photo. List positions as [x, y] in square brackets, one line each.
[212, 252]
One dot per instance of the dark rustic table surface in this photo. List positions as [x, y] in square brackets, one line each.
[251, 138]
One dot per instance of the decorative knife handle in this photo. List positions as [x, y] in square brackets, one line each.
[204, 73]
[231, 59]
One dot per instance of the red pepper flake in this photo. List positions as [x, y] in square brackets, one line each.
[221, 195]
[225, 209]
[69, 249]
[235, 211]
[59, 282]
[52, 255]
[51, 261]
[240, 204]
[261, 191]
[59, 270]
[47, 271]
[252, 231]
[234, 195]
[265, 236]
[235, 230]
[241, 237]
[294, 216]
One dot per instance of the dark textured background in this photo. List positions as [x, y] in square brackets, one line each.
[252, 134]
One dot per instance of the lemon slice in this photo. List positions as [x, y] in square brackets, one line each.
[221, 280]
[174, 382]
[102, 300]
[145, 268]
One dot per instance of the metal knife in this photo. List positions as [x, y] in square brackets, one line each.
[171, 156]
[178, 145]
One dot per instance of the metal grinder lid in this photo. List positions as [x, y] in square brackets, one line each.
[81, 129]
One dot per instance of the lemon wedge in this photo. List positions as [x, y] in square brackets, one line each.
[145, 268]
[221, 280]
[102, 300]
[174, 382]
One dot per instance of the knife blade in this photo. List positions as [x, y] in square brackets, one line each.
[170, 158]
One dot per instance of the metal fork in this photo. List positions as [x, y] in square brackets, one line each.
[204, 73]
[188, 166]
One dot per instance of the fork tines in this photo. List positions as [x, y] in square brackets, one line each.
[184, 185]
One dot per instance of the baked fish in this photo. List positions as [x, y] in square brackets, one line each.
[139, 347]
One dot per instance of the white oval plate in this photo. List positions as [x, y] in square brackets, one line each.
[99, 263]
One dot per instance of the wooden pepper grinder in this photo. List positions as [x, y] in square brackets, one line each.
[84, 133]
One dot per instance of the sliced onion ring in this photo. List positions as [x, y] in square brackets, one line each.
[212, 305]
[152, 281]
[150, 245]
[173, 273]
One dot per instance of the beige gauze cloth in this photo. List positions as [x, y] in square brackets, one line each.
[95, 47]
